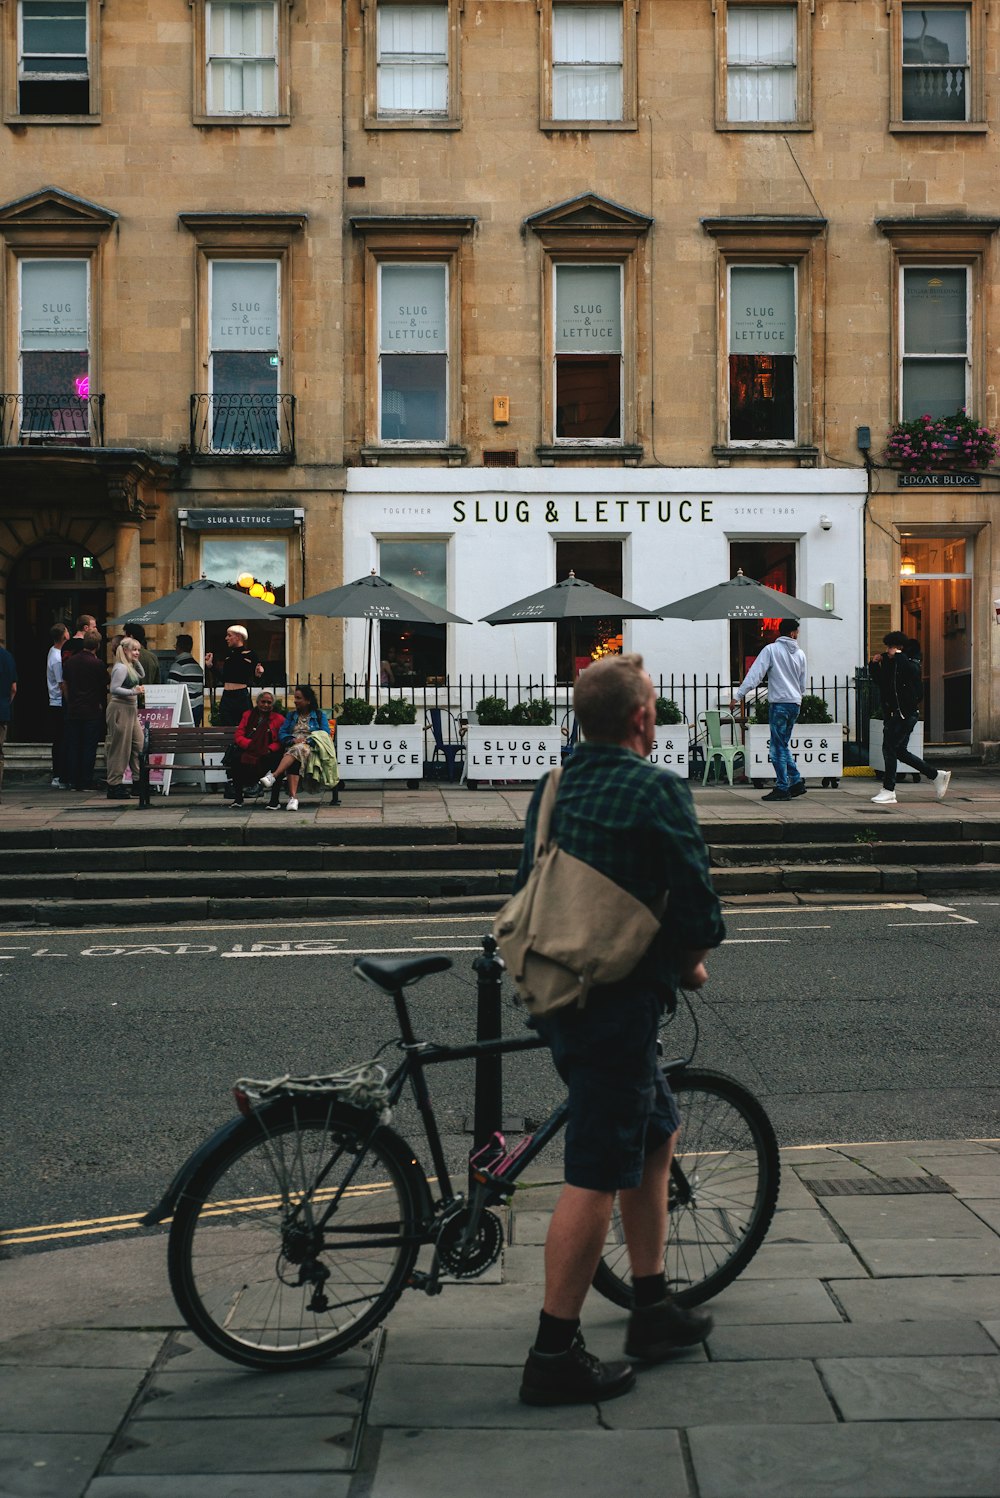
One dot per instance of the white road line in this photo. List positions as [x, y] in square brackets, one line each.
[350, 952]
[817, 927]
[756, 941]
[958, 920]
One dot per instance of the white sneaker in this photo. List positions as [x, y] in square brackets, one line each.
[56, 782]
[292, 804]
[885, 798]
[267, 780]
[941, 782]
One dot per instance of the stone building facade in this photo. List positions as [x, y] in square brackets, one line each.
[580, 237]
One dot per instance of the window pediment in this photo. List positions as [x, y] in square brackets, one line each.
[53, 208]
[589, 213]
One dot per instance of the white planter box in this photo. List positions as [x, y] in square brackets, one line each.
[817, 749]
[380, 753]
[877, 759]
[670, 748]
[511, 753]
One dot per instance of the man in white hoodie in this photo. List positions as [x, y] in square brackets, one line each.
[784, 665]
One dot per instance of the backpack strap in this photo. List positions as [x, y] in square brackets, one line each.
[545, 809]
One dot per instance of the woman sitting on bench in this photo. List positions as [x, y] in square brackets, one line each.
[306, 719]
[256, 749]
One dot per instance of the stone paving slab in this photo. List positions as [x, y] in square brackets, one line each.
[914, 1388]
[845, 1339]
[950, 1256]
[66, 1400]
[593, 1464]
[878, 1460]
[906, 1217]
[48, 1466]
[243, 1485]
[330, 1390]
[968, 1298]
[175, 1448]
[424, 1397]
[774, 1302]
[809, 1261]
[82, 1349]
[686, 1396]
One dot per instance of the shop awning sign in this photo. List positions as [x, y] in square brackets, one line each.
[266, 519]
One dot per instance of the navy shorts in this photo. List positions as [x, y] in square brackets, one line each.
[621, 1108]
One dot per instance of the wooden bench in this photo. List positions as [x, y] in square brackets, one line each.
[190, 741]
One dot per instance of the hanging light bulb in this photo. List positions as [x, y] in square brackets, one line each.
[257, 591]
[907, 567]
[268, 597]
[245, 580]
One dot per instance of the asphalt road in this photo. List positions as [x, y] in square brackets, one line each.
[118, 1047]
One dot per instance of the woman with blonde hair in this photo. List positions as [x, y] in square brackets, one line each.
[123, 743]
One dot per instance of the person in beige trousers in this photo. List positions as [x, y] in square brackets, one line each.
[123, 743]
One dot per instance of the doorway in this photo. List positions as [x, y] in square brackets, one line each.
[585, 640]
[936, 611]
[51, 584]
[773, 564]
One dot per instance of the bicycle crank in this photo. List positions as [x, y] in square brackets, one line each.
[466, 1257]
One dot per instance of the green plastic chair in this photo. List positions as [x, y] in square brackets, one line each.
[716, 749]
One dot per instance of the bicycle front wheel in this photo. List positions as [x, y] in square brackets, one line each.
[261, 1269]
[723, 1192]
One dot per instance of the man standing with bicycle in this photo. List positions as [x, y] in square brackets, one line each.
[636, 825]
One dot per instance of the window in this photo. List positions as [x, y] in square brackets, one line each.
[593, 302]
[242, 58]
[938, 324]
[243, 407]
[578, 642]
[54, 348]
[416, 654]
[771, 370]
[413, 353]
[244, 357]
[588, 352]
[763, 57]
[410, 400]
[588, 64]
[241, 62]
[773, 564]
[412, 53]
[266, 562]
[938, 80]
[762, 353]
[56, 45]
[934, 376]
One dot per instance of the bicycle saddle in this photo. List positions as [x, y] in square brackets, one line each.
[391, 976]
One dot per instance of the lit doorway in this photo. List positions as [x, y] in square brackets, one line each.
[51, 584]
[773, 564]
[936, 611]
[586, 640]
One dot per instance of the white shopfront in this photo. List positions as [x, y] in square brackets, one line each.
[476, 540]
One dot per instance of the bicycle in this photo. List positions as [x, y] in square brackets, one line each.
[297, 1225]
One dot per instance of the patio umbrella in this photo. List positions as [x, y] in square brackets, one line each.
[572, 600]
[200, 601]
[372, 598]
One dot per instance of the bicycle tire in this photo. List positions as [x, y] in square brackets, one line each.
[239, 1235]
[728, 1155]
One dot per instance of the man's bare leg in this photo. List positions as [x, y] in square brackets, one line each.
[644, 1212]
[573, 1248]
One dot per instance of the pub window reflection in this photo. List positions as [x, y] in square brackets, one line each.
[600, 563]
[246, 566]
[414, 654]
[773, 564]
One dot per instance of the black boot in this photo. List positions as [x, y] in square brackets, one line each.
[661, 1331]
[573, 1377]
[118, 793]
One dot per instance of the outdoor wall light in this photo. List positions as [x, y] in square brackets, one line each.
[825, 523]
[907, 567]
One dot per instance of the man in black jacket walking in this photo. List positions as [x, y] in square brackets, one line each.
[896, 673]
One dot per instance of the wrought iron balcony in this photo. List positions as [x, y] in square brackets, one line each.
[246, 426]
[51, 420]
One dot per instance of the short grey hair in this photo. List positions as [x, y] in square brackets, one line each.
[607, 694]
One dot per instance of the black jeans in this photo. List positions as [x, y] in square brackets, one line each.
[895, 736]
[57, 730]
[80, 743]
[232, 706]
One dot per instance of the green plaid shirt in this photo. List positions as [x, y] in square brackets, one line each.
[636, 825]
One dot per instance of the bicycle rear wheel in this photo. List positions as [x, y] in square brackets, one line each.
[253, 1272]
[723, 1192]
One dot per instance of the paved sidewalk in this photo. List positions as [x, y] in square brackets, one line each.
[974, 795]
[857, 1357]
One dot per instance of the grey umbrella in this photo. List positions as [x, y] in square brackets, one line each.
[742, 598]
[370, 598]
[200, 601]
[572, 599]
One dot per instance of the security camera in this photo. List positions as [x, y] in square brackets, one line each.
[825, 523]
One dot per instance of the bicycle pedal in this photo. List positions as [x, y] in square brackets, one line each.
[428, 1283]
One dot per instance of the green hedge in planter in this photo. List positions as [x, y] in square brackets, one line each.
[813, 710]
[492, 712]
[537, 713]
[398, 711]
[354, 712]
[667, 711]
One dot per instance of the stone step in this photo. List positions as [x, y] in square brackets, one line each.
[859, 852]
[260, 884]
[256, 860]
[189, 909]
[263, 832]
[828, 879]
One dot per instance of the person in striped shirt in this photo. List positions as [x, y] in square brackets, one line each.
[188, 673]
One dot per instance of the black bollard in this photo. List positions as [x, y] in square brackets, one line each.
[489, 1069]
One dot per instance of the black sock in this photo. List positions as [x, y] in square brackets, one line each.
[554, 1334]
[649, 1290]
